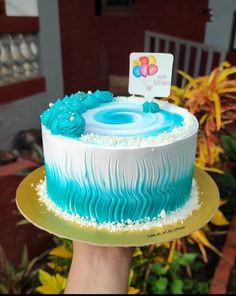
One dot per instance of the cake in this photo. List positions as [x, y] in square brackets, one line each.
[118, 162]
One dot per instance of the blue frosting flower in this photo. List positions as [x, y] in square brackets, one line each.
[104, 96]
[64, 116]
[58, 104]
[48, 116]
[69, 125]
[150, 107]
[80, 95]
[91, 101]
[74, 103]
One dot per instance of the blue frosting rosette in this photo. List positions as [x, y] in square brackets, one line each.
[150, 107]
[64, 117]
[71, 126]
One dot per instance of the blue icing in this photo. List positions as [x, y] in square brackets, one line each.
[69, 125]
[129, 120]
[172, 120]
[150, 107]
[64, 116]
[109, 117]
[91, 101]
[80, 95]
[116, 203]
[114, 116]
[74, 103]
[104, 96]
[48, 117]
[51, 114]
[58, 104]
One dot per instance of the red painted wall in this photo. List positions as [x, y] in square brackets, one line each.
[95, 46]
[2, 7]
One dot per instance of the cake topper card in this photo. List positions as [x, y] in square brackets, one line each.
[150, 74]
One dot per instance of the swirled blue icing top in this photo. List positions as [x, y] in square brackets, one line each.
[129, 120]
[99, 113]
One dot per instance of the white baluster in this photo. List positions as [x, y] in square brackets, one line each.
[18, 58]
[6, 61]
[31, 40]
[27, 54]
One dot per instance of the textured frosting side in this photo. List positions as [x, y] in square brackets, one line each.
[116, 185]
[164, 219]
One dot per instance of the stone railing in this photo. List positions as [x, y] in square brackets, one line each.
[19, 57]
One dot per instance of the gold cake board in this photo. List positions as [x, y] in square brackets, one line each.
[38, 214]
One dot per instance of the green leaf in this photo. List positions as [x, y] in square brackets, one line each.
[227, 180]
[229, 145]
[24, 257]
[160, 285]
[187, 259]
[139, 262]
[176, 286]
[188, 284]
[10, 270]
[30, 266]
[152, 280]
[202, 288]
[131, 275]
[174, 267]
[158, 269]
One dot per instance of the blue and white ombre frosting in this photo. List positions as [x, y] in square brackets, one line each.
[115, 163]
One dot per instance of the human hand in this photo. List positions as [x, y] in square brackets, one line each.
[97, 270]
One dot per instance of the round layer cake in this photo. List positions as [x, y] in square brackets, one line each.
[115, 160]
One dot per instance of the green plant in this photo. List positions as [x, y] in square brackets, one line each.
[212, 100]
[171, 278]
[21, 278]
[155, 269]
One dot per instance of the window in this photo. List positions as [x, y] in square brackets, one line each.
[114, 7]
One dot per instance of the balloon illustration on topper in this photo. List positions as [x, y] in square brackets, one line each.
[145, 66]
